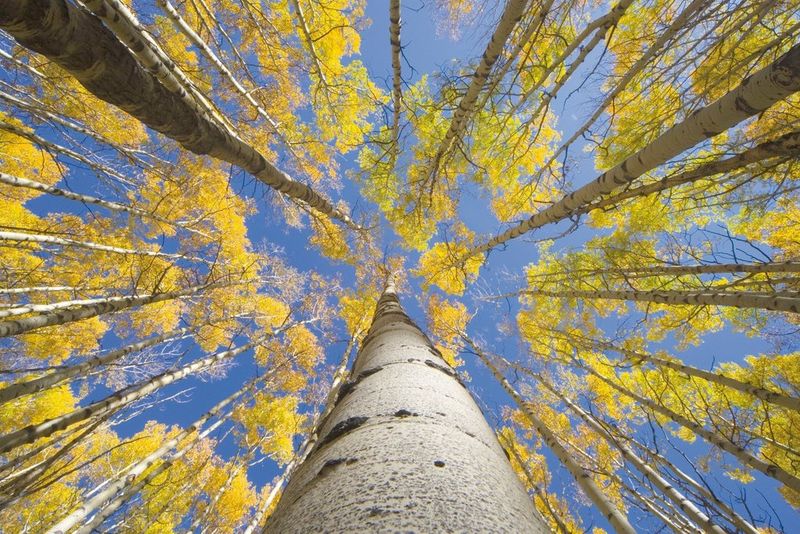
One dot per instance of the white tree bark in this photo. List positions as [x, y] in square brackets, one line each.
[27, 324]
[662, 484]
[133, 475]
[756, 93]
[118, 400]
[397, 81]
[79, 42]
[512, 13]
[52, 240]
[15, 391]
[405, 448]
[87, 199]
[773, 397]
[739, 452]
[615, 517]
[789, 303]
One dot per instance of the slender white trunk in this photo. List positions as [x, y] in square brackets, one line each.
[789, 302]
[404, 448]
[512, 13]
[53, 147]
[78, 41]
[755, 94]
[788, 145]
[615, 517]
[87, 199]
[539, 492]
[773, 397]
[739, 452]
[39, 289]
[60, 241]
[397, 81]
[118, 400]
[662, 484]
[132, 475]
[27, 324]
[15, 391]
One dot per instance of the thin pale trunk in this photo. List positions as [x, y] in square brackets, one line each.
[397, 81]
[15, 391]
[729, 513]
[539, 492]
[58, 149]
[788, 145]
[118, 400]
[212, 58]
[512, 13]
[740, 453]
[677, 25]
[39, 289]
[87, 199]
[602, 25]
[309, 41]
[615, 517]
[121, 483]
[21, 485]
[403, 437]
[790, 302]
[79, 43]
[663, 485]
[52, 240]
[27, 324]
[766, 395]
[40, 111]
[755, 94]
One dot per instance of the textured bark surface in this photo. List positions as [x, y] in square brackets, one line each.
[404, 449]
[78, 42]
[756, 93]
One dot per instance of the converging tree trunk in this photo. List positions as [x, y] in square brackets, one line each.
[405, 448]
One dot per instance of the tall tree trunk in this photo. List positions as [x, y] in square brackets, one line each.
[678, 25]
[19, 389]
[87, 311]
[615, 517]
[118, 400]
[397, 81]
[756, 93]
[21, 237]
[87, 199]
[737, 299]
[512, 13]
[405, 448]
[78, 42]
[769, 469]
[652, 475]
[130, 477]
[773, 397]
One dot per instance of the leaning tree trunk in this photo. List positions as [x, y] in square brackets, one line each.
[81, 44]
[405, 448]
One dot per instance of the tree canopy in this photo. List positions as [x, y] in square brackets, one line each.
[592, 207]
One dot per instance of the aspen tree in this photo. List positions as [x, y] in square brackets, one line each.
[614, 516]
[720, 441]
[368, 442]
[38, 25]
[755, 94]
